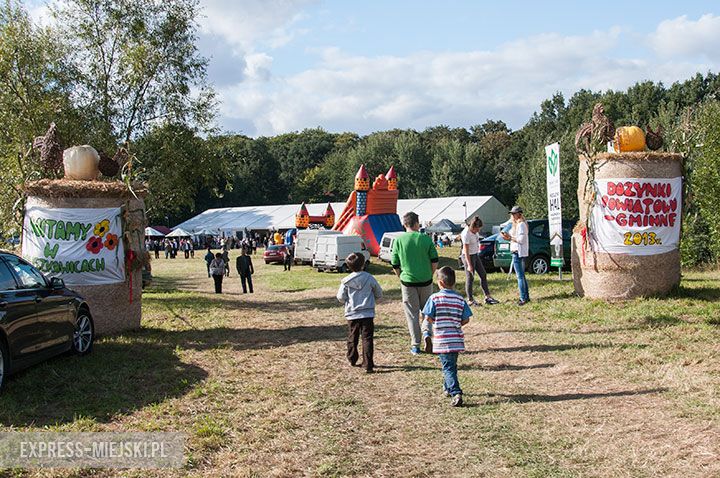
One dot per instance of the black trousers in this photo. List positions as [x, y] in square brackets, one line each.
[364, 328]
[477, 264]
[246, 281]
[218, 284]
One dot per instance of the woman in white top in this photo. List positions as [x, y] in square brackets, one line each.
[472, 262]
[519, 246]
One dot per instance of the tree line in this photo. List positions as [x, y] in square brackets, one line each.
[132, 76]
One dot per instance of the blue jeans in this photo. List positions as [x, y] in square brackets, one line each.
[451, 383]
[519, 266]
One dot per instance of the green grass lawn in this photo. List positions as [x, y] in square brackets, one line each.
[563, 386]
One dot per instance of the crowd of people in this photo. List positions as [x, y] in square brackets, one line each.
[434, 320]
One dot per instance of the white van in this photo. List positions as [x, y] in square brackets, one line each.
[332, 250]
[305, 244]
[386, 244]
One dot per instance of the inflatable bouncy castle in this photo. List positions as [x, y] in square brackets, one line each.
[303, 219]
[371, 212]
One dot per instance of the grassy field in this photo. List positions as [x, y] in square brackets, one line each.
[259, 383]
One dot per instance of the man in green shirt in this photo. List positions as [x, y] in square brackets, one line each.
[414, 259]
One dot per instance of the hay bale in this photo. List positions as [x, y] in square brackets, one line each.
[69, 188]
[622, 276]
[110, 304]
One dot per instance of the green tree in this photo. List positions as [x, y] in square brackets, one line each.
[137, 65]
[35, 90]
[176, 165]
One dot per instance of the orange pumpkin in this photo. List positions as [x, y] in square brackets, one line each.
[629, 138]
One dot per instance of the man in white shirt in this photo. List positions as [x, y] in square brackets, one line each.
[473, 262]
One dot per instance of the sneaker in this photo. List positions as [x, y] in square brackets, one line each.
[369, 370]
[472, 302]
[491, 301]
[415, 350]
[447, 394]
[457, 400]
[522, 302]
[428, 344]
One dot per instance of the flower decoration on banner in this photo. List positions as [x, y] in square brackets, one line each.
[102, 227]
[94, 245]
[111, 241]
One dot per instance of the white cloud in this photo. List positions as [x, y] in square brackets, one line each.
[682, 37]
[253, 24]
[365, 94]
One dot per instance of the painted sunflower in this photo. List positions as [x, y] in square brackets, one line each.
[102, 227]
[94, 245]
[111, 241]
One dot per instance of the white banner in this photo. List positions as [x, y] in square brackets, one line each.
[552, 154]
[636, 216]
[80, 246]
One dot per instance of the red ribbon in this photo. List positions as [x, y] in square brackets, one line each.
[583, 233]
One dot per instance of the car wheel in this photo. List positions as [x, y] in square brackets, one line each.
[4, 363]
[540, 265]
[343, 268]
[84, 334]
[366, 266]
[267, 262]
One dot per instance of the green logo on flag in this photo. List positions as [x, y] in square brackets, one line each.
[552, 160]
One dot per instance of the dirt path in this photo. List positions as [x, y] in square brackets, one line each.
[533, 410]
[287, 403]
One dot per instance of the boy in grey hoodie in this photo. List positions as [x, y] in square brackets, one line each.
[359, 291]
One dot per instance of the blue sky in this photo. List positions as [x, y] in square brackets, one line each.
[286, 65]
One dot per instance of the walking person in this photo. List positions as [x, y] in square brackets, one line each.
[245, 270]
[473, 262]
[288, 257]
[209, 256]
[359, 291]
[414, 259]
[448, 313]
[226, 260]
[520, 248]
[217, 270]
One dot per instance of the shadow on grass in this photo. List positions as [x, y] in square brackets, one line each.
[710, 294]
[118, 377]
[496, 398]
[481, 368]
[245, 339]
[555, 348]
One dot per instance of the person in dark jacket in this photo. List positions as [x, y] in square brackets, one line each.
[245, 270]
[208, 259]
[288, 257]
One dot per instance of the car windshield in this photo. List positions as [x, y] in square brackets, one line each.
[275, 248]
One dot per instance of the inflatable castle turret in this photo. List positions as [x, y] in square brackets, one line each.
[303, 219]
[371, 212]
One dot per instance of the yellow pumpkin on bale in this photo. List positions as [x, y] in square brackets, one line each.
[629, 138]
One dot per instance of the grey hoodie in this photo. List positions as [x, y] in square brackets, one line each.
[359, 291]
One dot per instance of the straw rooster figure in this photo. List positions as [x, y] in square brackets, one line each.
[598, 131]
[51, 151]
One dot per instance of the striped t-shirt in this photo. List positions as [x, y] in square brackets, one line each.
[448, 309]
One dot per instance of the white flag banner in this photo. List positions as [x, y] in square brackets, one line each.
[81, 246]
[552, 156]
[635, 216]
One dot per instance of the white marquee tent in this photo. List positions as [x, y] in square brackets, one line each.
[264, 218]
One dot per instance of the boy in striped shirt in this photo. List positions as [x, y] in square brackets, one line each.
[447, 312]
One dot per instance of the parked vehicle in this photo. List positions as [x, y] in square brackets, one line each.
[386, 244]
[332, 250]
[274, 253]
[305, 244]
[39, 317]
[539, 254]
